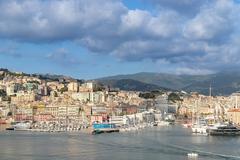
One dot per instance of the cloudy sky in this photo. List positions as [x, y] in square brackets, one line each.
[95, 38]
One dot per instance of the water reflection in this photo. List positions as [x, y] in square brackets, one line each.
[157, 143]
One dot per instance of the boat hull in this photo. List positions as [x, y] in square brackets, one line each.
[199, 130]
[99, 131]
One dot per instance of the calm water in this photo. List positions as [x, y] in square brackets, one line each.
[170, 143]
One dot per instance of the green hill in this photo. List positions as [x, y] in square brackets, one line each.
[132, 85]
[223, 83]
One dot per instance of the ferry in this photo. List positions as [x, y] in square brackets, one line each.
[223, 130]
[99, 128]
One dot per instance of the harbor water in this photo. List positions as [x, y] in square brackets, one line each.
[157, 143]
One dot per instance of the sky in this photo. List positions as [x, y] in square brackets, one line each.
[88, 39]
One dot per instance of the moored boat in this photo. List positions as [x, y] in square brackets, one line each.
[187, 125]
[200, 126]
[20, 126]
[163, 123]
[104, 128]
[223, 130]
[202, 129]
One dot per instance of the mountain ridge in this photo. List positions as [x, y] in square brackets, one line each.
[223, 83]
[132, 85]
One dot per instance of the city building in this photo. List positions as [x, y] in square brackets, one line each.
[73, 87]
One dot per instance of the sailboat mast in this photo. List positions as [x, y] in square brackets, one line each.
[194, 110]
[210, 90]
[236, 101]
[197, 111]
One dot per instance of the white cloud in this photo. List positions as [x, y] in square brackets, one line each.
[192, 71]
[195, 33]
[57, 19]
[214, 21]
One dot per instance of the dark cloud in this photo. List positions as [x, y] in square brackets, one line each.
[192, 34]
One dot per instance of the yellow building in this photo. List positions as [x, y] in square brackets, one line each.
[24, 97]
[234, 115]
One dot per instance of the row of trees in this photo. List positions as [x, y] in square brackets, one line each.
[173, 97]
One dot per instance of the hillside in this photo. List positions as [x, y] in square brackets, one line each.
[47, 77]
[161, 79]
[223, 83]
[132, 85]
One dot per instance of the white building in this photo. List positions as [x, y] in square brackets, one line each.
[73, 87]
[68, 111]
[118, 120]
[97, 97]
[11, 89]
[82, 96]
[162, 103]
[94, 97]
[88, 86]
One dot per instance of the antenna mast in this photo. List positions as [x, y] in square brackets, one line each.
[210, 90]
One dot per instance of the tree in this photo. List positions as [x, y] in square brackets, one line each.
[9, 114]
[157, 92]
[147, 95]
[174, 97]
[2, 93]
[55, 94]
[64, 89]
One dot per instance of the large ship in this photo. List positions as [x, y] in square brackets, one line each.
[223, 130]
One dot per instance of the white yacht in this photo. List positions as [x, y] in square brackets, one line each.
[163, 123]
[22, 126]
[200, 127]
